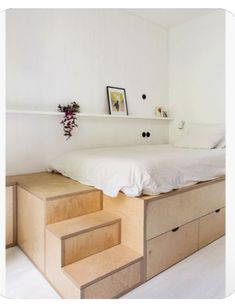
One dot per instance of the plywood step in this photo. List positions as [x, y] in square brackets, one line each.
[79, 225]
[118, 267]
[86, 235]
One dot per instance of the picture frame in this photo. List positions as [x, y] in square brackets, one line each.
[117, 101]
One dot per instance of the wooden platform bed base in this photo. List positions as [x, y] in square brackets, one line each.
[89, 245]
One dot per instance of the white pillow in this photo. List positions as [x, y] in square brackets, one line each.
[201, 136]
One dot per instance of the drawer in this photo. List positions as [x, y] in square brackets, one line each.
[169, 248]
[73, 206]
[211, 227]
[172, 211]
[116, 284]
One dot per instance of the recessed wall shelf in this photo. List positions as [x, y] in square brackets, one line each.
[27, 112]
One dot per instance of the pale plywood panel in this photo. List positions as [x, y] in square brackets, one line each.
[151, 198]
[47, 185]
[167, 249]
[167, 213]
[73, 206]
[211, 227]
[80, 246]
[131, 211]
[115, 284]
[82, 224]
[10, 211]
[88, 270]
[30, 226]
[65, 287]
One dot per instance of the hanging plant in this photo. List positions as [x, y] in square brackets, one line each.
[69, 120]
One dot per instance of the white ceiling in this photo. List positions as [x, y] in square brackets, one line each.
[169, 17]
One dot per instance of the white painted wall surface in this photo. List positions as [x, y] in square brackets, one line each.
[197, 71]
[230, 153]
[58, 56]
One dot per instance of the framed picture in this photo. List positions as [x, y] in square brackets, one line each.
[117, 101]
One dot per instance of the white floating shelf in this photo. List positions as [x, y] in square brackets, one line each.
[27, 112]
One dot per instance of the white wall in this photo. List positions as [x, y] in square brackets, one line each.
[230, 153]
[58, 56]
[197, 71]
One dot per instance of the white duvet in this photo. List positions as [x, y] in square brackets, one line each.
[136, 170]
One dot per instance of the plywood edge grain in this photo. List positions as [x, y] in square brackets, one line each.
[93, 228]
[46, 199]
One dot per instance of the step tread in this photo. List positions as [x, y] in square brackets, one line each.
[78, 225]
[47, 186]
[90, 269]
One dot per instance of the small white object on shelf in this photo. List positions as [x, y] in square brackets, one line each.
[29, 112]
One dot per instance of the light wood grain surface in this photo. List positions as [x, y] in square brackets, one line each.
[78, 225]
[166, 213]
[91, 242]
[31, 226]
[131, 211]
[85, 271]
[73, 206]
[60, 281]
[115, 284]
[167, 249]
[148, 198]
[211, 227]
[10, 216]
[47, 185]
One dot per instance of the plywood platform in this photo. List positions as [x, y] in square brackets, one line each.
[90, 245]
[47, 186]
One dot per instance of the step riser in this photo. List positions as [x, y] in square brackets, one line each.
[114, 285]
[73, 206]
[91, 242]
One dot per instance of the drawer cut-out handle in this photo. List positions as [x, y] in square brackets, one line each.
[217, 210]
[175, 229]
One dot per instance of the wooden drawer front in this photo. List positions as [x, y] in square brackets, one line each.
[86, 244]
[167, 249]
[73, 206]
[211, 227]
[10, 216]
[173, 211]
[116, 284]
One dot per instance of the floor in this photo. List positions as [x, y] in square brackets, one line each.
[201, 275]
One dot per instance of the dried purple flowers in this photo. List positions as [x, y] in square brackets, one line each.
[69, 120]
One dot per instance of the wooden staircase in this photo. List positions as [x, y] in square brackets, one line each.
[83, 247]
[85, 257]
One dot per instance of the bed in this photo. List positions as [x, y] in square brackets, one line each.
[171, 200]
[63, 225]
[141, 170]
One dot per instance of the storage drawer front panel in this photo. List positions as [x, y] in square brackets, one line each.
[80, 246]
[73, 206]
[169, 248]
[211, 227]
[115, 284]
[173, 211]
